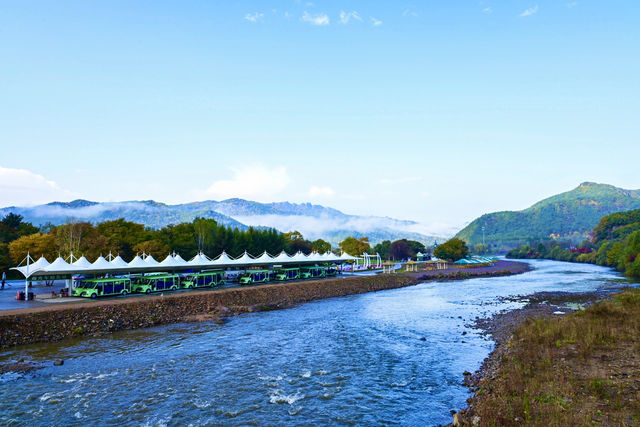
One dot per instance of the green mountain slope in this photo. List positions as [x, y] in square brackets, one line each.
[570, 215]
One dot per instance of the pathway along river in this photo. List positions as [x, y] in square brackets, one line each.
[350, 360]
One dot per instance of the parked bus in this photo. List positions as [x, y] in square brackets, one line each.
[255, 276]
[203, 279]
[287, 274]
[156, 283]
[313, 272]
[332, 271]
[93, 288]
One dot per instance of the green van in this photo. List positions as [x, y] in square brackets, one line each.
[156, 283]
[93, 288]
[255, 276]
[203, 279]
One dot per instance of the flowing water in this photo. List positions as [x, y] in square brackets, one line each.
[356, 360]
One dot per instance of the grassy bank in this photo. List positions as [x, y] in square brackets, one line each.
[578, 369]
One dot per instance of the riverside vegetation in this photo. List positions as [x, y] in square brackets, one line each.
[615, 242]
[578, 369]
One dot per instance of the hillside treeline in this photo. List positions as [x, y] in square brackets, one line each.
[615, 242]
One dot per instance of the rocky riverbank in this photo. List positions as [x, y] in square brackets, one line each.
[489, 381]
[94, 318]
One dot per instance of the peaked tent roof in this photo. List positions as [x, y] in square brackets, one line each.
[169, 261]
[137, 262]
[283, 256]
[101, 263]
[118, 262]
[82, 262]
[150, 260]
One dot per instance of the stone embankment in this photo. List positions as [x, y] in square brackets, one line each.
[94, 318]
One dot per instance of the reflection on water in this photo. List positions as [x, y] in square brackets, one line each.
[351, 360]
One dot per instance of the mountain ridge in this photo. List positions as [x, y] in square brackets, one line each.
[569, 215]
[313, 221]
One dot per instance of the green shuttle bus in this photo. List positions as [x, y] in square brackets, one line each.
[287, 274]
[313, 272]
[331, 271]
[254, 276]
[156, 283]
[93, 288]
[204, 279]
[304, 273]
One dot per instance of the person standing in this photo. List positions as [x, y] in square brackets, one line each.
[4, 278]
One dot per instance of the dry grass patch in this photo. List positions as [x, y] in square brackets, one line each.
[578, 369]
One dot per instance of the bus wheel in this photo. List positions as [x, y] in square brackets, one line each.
[93, 296]
[124, 293]
[190, 286]
[148, 291]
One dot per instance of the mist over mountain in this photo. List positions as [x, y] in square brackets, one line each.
[313, 221]
[569, 215]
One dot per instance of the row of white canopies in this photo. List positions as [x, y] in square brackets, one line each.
[60, 266]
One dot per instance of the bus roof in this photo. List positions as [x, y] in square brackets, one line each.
[160, 276]
[105, 279]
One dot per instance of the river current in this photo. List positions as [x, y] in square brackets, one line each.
[388, 358]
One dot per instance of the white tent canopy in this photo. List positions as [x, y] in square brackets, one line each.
[101, 264]
[150, 260]
[82, 262]
[118, 262]
[169, 261]
[172, 262]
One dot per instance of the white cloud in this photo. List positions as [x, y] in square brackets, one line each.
[487, 10]
[254, 17]
[400, 180]
[20, 187]
[375, 22]
[317, 19]
[345, 17]
[255, 182]
[531, 11]
[572, 4]
[408, 12]
[320, 191]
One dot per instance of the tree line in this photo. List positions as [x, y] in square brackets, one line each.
[615, 242]
[126, 238]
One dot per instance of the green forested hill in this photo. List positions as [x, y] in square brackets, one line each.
[570, 215]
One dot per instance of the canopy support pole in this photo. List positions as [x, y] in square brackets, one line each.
[26, 280]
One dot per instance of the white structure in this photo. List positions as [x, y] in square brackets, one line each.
[366, 262]
[173, 262]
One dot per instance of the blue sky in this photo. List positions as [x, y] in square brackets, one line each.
[436, 111]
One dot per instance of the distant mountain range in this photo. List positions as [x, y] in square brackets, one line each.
[570, 215]
[313, 221]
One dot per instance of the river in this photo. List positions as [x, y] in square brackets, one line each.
[388, 358]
